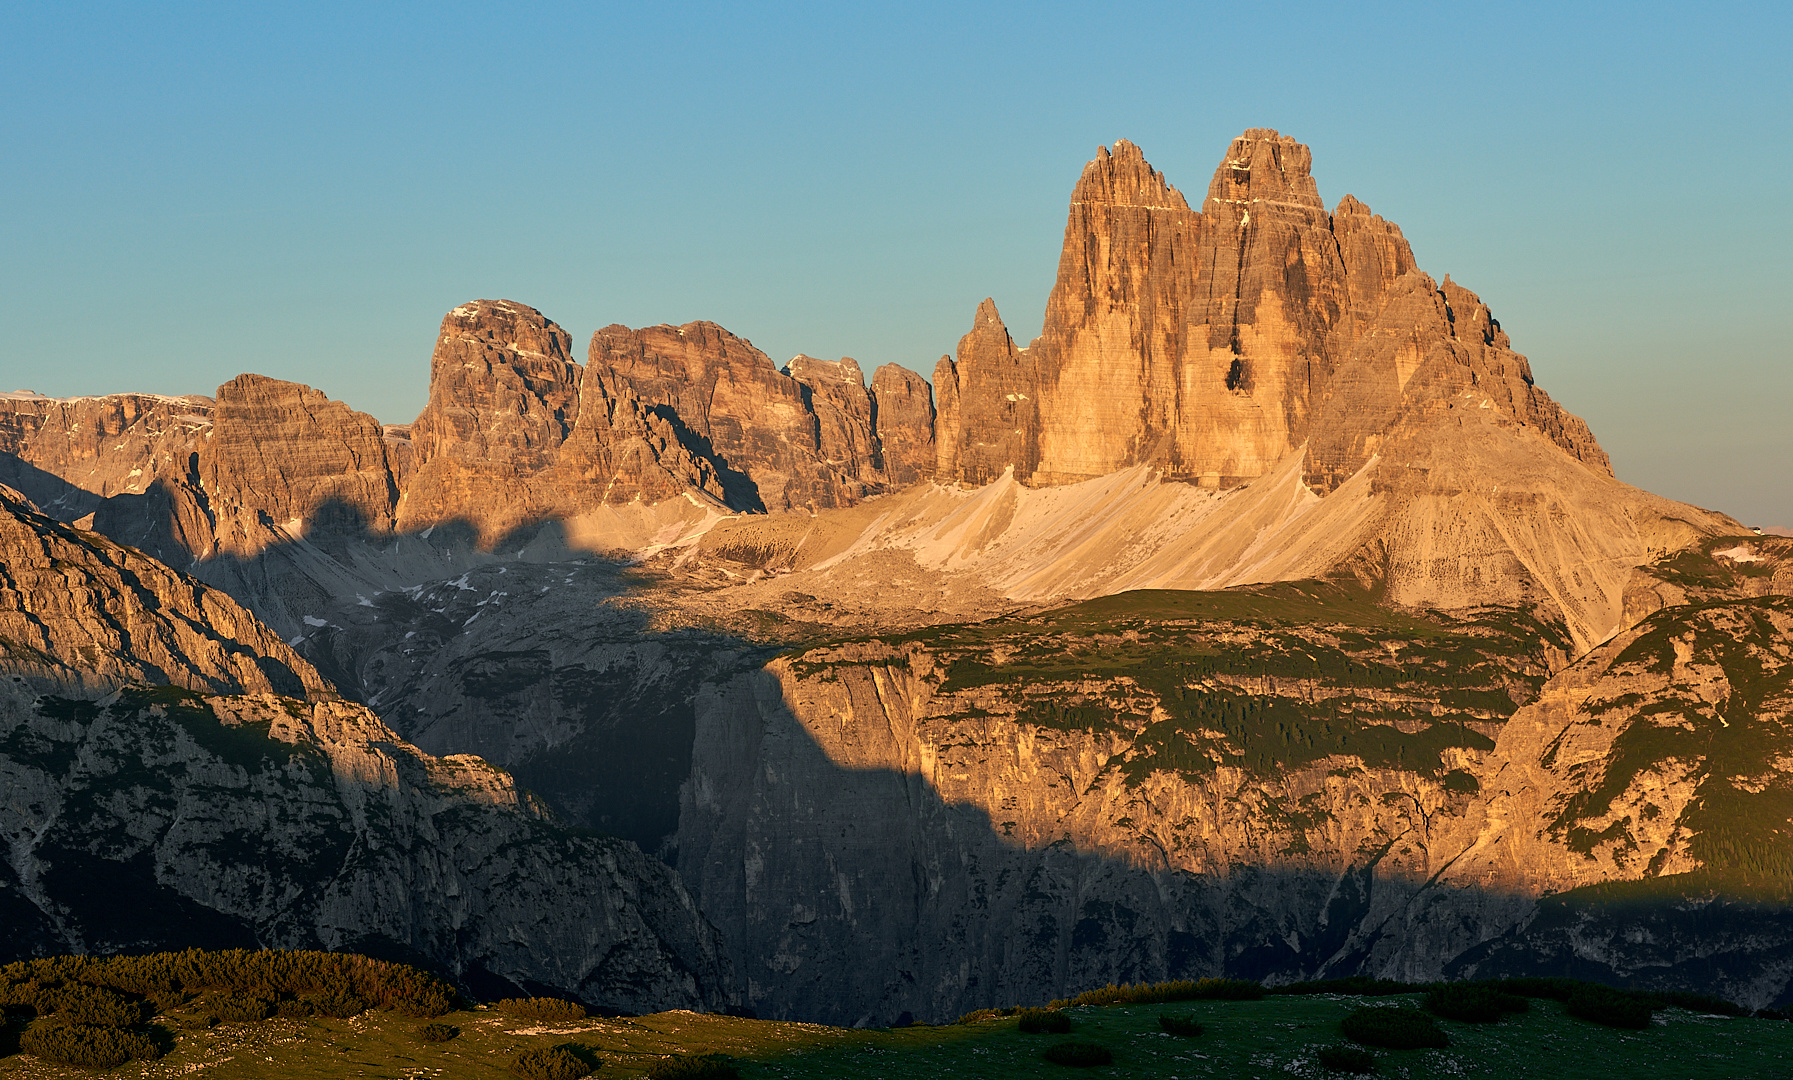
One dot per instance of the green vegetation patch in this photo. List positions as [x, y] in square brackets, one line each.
[1394, 1027]
[1264, 678]
[1279, 1035]
[1740, 828]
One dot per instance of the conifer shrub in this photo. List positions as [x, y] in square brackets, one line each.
[1165, 992]
[171, 976]
[978, 1015]
[1473, 1003]
[1044, 1022]
[89, 1047]
[239, 1007]
[1081, 1054]
[1554, 988]
[1185, 1027]
[340, 1003]
[567, 1061]
[1394, 1028]
[1613, 1008]
[549, 1009]
[97, 1006]
[1347, 1059]
[294, 1009]
[695, 1067]
[437, 1033]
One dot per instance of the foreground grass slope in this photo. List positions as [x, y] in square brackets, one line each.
[1278, 1036]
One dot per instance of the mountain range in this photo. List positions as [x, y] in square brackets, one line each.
[1260, 617]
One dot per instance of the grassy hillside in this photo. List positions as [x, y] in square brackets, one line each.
[1274, 1037]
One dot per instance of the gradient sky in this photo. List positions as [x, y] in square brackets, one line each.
[304, 190]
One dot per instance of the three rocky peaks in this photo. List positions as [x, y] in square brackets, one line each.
[328, 681]
[1259, 337]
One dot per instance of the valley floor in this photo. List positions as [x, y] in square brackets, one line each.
[1275, 1037]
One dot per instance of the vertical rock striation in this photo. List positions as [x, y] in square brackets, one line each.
[903, 421]
[1213, 344]
[516, 432]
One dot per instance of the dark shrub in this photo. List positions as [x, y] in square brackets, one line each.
[269, 972]
[701, 1067]
[976, 1015]
[1044, 1022]
[563, 1062]
[1079, 1053]
[1347, 1059]
[437, 1032]
[1613, 1008]
[1187, 1027]
[1161, 993]
[240, 1008]
[554, 1010]
[27, 997]
[1394, 1028]
[1473, 1003]
[1704, 1003]
[1556, 989]
[295, 1009]
[89, 1047]
[339, 1003]
[97, 1006]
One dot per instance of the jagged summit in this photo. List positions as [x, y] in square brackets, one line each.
[1125, 178]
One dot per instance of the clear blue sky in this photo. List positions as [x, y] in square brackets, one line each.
[303, 190]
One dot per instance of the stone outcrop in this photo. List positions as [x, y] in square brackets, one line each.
[1277, 783]
[158, 819]
[903, 422]
[312, 465]
[759, 427]
[81, 613]
[68, 454]
[516, 432]
[1213, 344]
[837, 396]
[989, 402]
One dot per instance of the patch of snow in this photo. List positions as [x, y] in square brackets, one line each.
[363, 601]
[1740, 553]
[312, 620]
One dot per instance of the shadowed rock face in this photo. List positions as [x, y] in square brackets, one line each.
[81, 613]
[157, 819]
[1213, 344]
[168, 784]
[68, 454]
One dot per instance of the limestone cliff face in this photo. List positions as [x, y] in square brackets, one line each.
[989, 419]
[1214, 344]
[1268, 783]
[68, 454]
[156, 818]
[763, 429]
[515, 432]
[903, 422]
[82, 613]
[842, 407]
[309, 464]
